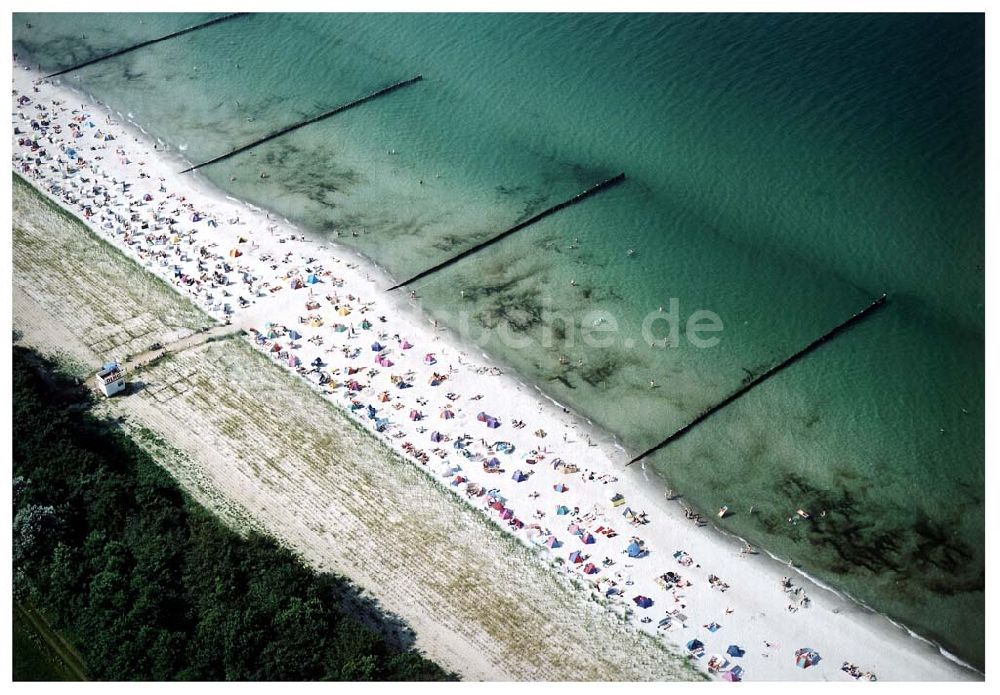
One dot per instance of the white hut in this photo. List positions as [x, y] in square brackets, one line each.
[111, 379]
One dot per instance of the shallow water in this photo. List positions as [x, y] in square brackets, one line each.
[783, 170]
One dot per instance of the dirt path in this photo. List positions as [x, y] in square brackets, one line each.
[55, 642]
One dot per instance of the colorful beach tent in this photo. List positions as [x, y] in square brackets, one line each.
[644, 602]
[312, 279]
[695, 644]
[506, 514]
[590, 568]
[519, 476]
[447, 414]
[436, 436]
[635, 549]
[588, 539]
[576, 556]
[377, 347]
[553, 542]
[562, 510]
[559, 487]
[806, 657]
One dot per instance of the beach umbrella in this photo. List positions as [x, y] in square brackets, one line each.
[576, 556]
[644, 602]
[559, 487]
[562, 510]
[735, 651]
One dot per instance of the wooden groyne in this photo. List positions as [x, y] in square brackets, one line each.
[593, 190]
[150, 42]
[765, 375]
[309, 121]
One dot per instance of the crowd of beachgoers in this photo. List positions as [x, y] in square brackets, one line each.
[322, 313]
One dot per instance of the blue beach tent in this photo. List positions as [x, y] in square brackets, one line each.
[735, 651]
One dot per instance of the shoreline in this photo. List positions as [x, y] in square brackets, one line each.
[668, 518]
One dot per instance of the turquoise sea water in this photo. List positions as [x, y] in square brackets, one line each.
[783, 170]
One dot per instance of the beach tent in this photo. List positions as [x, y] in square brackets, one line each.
[293, 361]
[377, 347]
[296, 283]
[318, 362]
[576, 556]
[365, 325]
[429, 358]
[735, 651]
[312, 279]
[383, 397]
[553, 543]
[635, 549]
[406, 345]
[588, 539]
[559, 487]
[492, 423]
[506, 514]
[644, 602]
[415, 415]
[695, 644]
[294, 335]
[436, 436]
[733, 675]
[447, 414]
[575, 529]
[343, 311]
[562, 510]
[482, 417]
[519, 476]
[590, 568]
[371, 412]
[458, 480]
[806, 657]
[233, 252]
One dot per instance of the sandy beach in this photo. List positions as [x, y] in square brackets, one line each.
[320, 311]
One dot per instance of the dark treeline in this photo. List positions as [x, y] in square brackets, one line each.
[149, 585]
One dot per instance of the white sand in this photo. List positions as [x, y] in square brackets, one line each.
[753, 611]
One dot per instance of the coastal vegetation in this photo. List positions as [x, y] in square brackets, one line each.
[147, 584]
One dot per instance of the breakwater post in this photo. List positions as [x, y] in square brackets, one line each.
[593, 190]
[761, 377]
[150, 42]
[308, 121]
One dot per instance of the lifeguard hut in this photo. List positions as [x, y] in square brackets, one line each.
[111, 379]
